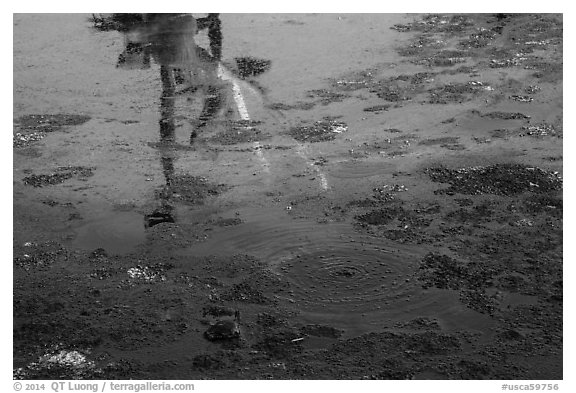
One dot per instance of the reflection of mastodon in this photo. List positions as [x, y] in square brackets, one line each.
[185, 68]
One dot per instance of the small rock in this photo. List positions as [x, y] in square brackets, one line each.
[223, 330]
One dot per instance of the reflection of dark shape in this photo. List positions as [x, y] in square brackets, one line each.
[212, 22]
[167, 127]
[125, 22]
[135, 55]
[212, 104]
[250, 66]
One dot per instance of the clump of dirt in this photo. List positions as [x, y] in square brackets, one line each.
[541, 203]
[59, 176]
[246, 292]
[223, 330]
[499, 179]
[193, 190]
[251, 66]
[477, 300]
[444, 272]
[147, 274]
[37, 255]
[320, 131]
[479, 213]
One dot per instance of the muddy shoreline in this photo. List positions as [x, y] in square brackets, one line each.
[400, 219]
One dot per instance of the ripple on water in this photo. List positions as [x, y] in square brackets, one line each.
[339, 277]
[360, 286]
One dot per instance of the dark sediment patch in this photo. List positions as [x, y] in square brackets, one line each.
[326, 96]
[377, 108]
[251, 66]
[59, 176]
[434, 23]
[49, 123]
[439, 141]
[444, 272]
[355, 80]
[33, 128]
[301, 105]
[443, 58]
[320, 131]
[483, 37]
[499, 179]
[506, 115]
[457, 92]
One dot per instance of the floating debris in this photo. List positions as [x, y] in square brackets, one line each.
[524, 223]
[521, 98]
[152, 274]
[532, 89]
[24, 140]
[540, 130]
[390, 188]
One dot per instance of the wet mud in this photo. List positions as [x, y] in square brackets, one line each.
[198, 201]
